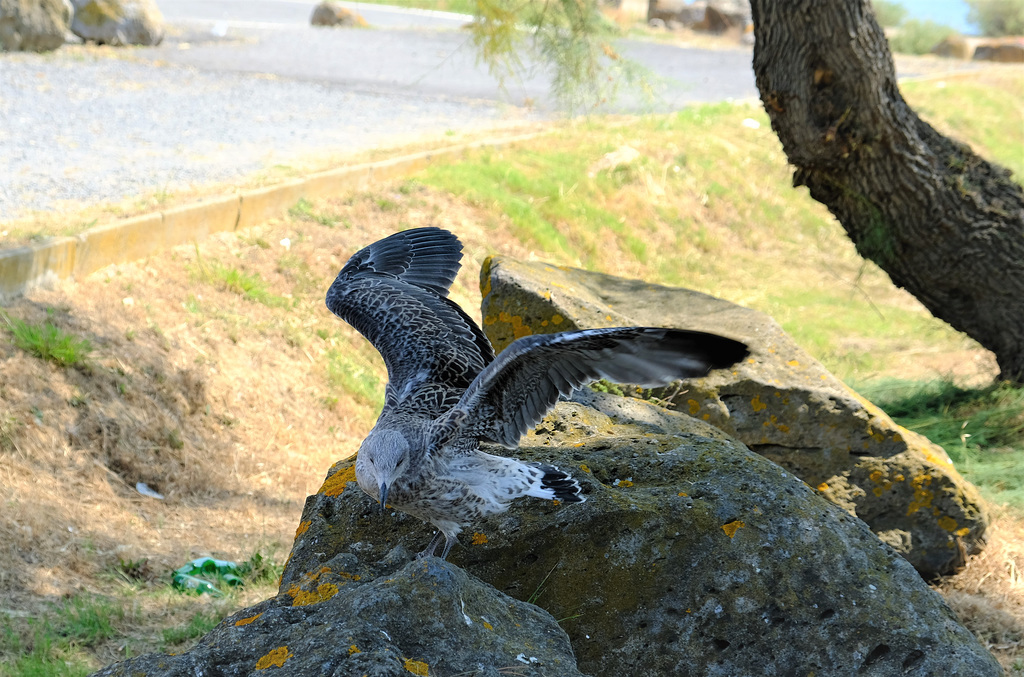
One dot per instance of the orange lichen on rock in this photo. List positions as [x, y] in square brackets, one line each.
[948, 523]
[353, 649]
[335, 484]
[757, 404]
[247, 621]
[303, 527]
[479, 539]
[584, 467]
[694, 406]
[323, 592]
[417, 667]
[274, 659]
[922, 496]
[731, 528]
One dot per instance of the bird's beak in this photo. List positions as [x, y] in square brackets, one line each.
[383, 496]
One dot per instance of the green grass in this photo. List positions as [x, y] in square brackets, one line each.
[987, 117]
[351, 373]
[49, 342]
[58, 643]
[200, 624]
[247, 285]
[982, 429]
[303, 211]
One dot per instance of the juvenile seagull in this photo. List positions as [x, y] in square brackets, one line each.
[447, 392]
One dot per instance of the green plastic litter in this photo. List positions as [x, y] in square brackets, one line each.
[193, 576]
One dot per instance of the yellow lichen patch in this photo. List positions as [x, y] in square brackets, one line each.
[488, 625]
[922, 496]
[948, 523]
[489, 320]
[246, 621]
[962, 531]
[485, 277]
[323, 592]
[899, 478]
[335, 484]
[274, 659]
[557, 319]
[896, 437]
[682, 493]
[417, 667]
[823, 486]
[303, 527]
[731, 528]
[694, 407]
[546, 294]
[584, 467]
[353, 649]
[479, 539]
[757, 404]
[624, 483]
[794, 363]
[519, 329]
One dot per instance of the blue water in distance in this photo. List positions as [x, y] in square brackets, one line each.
[952, 13]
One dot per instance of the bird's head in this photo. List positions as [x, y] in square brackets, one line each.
[383, 458]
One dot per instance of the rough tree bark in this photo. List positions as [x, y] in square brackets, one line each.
[946, 225]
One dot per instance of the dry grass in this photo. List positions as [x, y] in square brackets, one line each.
[989, 593]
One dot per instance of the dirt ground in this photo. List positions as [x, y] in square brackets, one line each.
[225, 405]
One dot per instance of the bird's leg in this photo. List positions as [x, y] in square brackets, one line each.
[449, 541]
[432, 546]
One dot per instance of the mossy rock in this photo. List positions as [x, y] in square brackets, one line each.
[691, 556]
[780, 402]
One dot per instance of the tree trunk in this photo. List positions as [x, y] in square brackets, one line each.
[946, 225]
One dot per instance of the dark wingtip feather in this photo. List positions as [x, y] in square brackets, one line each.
[564, 486]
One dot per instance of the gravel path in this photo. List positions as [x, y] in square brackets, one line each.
[75, 125]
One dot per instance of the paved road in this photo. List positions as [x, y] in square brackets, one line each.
[417, 53]
[241, 85]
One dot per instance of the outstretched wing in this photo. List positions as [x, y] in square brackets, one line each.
[394, 292]
[426, 257]
[514, 392]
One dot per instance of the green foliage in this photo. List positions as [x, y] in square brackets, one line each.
[982, 429]
[998, 17]
[569, 38]
[919, 37]
[458, 6]
[888, 13]
[49, 342]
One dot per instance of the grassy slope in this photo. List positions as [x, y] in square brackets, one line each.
[242, 389]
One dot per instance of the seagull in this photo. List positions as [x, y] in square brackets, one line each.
[447, 392]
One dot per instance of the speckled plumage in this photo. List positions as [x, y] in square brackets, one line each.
[447, 392]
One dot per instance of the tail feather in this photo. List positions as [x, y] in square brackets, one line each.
[562, 486]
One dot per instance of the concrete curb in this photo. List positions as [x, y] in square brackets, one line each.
[39, 265]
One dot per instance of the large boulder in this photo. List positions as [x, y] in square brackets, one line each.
[33, 25]
[690, 556]
[118, 22]
[349, 617]
[781, 403]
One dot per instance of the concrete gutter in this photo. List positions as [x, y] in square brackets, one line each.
[37, 265]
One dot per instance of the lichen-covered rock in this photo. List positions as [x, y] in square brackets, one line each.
[781, 403]
[33, 25]
[349, 617]
[332, 14]
[691, 556]
[118, 22]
